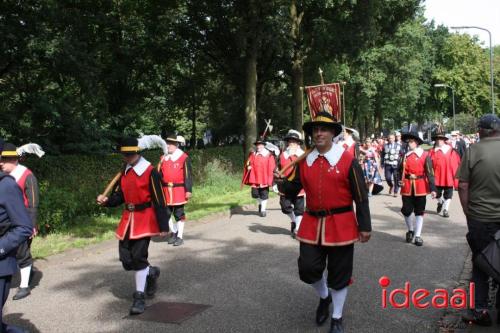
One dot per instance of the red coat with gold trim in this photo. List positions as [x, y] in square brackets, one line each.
[445, 166]
[416, 173]
[261, 171]
[176, 177]
[140, 185]
[332, 181]
[286, 159]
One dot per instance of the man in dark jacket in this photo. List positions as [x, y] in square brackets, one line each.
[15, 229]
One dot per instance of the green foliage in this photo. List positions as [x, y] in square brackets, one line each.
[75, 76]
[70, 184]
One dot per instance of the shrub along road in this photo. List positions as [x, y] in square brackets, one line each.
[245, 268]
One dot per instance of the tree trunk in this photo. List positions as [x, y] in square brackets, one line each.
[193, 120]
[378, 118]
[297, 67]
[251, 97]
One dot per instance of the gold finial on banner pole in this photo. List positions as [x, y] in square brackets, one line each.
[320, 71]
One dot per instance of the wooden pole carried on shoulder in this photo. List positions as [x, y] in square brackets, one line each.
[112, 184]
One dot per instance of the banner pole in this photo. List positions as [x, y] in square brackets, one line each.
[343, 101]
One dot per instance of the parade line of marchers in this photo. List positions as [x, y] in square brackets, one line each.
[324, 190]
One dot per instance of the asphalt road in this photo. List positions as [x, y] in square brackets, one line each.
[245, 268]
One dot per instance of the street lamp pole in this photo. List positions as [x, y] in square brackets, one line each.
[442, 85]
[491, 63]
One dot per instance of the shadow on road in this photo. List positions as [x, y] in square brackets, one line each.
[18, 320]
[267, 229]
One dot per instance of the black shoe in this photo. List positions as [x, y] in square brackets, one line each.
[445, 213]
[178, 242]
[439, 207]
[263, 214]
[151, 279]
[293, 225]
[336, 326]
[419, 241]
[171, 240]
[409, 236]
[139, 304]
[21, 293]
[323, 310]
[480, 318]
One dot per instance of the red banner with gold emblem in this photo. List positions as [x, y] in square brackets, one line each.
[325, 97]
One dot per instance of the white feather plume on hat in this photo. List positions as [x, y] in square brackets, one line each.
[151, 142]
[272, 148]
[30, 148]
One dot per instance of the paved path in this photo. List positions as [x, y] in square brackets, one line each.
[245, 267]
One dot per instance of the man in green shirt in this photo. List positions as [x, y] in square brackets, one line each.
[479, 191]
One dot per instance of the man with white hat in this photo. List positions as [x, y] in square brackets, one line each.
[177, 181]
[292, 206]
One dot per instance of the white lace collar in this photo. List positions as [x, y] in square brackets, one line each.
[297, 153]
[445, 148]
[18, 172]
[140, 167]
[418, 151]
[175, 155]
[333, 155]
[264, 152]
[349, 141]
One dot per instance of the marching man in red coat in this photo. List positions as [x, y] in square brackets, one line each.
[144, 215]
[28, 183]
[293, 207]
[417, 180]
[259, 174]
[332, 180]
[445, 162]
[350, 141]
[177, 180]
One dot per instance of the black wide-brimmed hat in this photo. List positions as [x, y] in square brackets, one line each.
[129, 146]
[9, 150]
[293, 135]
[322, 119]
[412, 135]
[172, 137]
[439, 135]
[259, 140]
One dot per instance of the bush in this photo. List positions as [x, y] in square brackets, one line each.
[69, 184]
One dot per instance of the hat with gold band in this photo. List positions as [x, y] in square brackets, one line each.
[322, 119]
[9, 150]
[129, 146]
[172, 137]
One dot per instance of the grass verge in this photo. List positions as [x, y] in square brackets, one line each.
[218, 195]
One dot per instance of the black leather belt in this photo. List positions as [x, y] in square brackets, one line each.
[331, 211]
[173, 184]
[137, 207]
[413, 177]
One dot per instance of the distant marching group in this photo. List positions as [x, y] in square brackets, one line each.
[409, 171]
